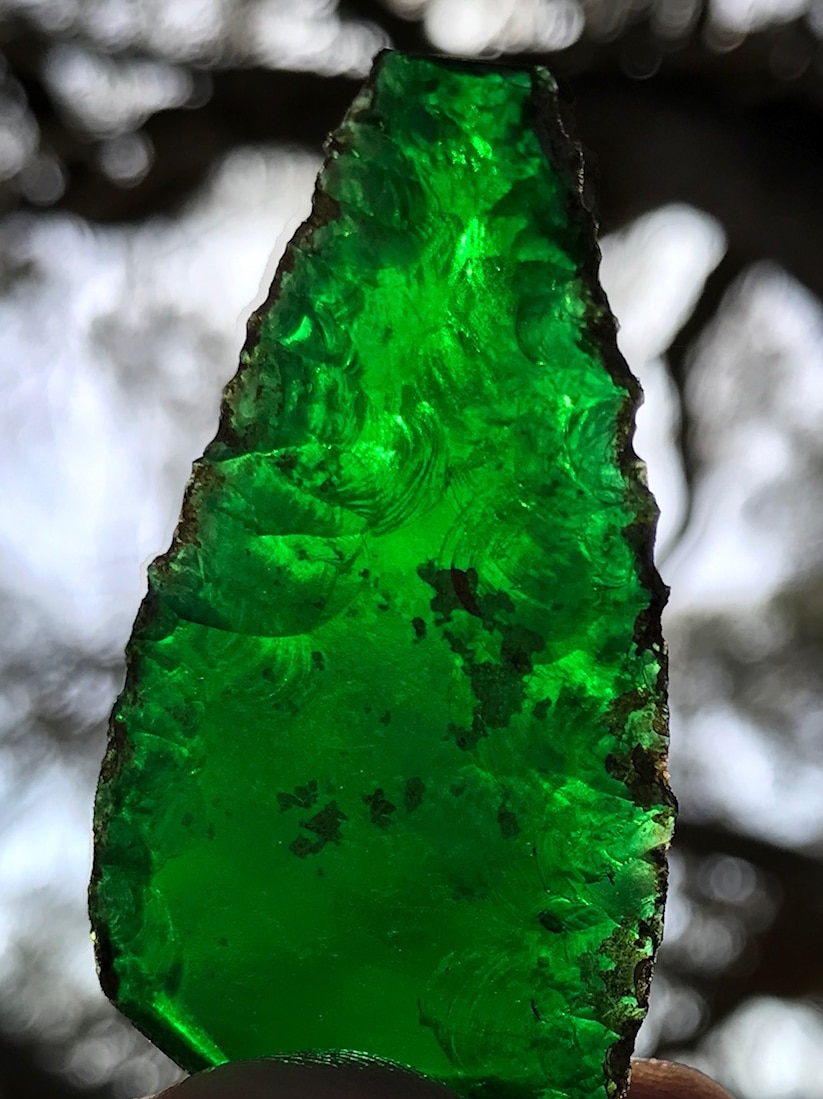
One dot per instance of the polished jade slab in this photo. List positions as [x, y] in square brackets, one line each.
[388, 770]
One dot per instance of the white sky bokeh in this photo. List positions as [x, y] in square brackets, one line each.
[137, 331]
[745, 16]
[653, 273]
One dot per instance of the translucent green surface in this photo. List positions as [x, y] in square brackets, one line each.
[386, 772]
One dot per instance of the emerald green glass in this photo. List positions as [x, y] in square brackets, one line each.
[388, 771]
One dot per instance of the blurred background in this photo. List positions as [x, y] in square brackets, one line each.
[155, 157]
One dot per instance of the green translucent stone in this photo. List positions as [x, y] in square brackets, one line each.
[388, 770]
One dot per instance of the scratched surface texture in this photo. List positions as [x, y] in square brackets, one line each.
[387, 773]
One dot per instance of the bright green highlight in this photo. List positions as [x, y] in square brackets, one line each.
[386, 774]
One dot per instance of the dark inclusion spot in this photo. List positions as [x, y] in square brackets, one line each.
[413, 796]
[508, 823]
[185, 720]
[326, 828]
[385, 719]
[640, 771]
[419, 627]
[447, 598]
[498, 686]
[444, 600]
[458, 647]
[456, 590]
[550, 922]
[173, 977]
[302, 798]
[467, 739]
[286, 462]
[380, 808]
[499, 693]
[318, 661]
[465, 588]
[541, 709]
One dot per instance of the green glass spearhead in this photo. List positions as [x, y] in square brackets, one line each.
[388, 771]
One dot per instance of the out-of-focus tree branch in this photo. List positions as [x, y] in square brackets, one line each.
[781, 958]
[22, 1076]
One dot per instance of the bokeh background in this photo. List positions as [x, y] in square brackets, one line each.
[155, 156]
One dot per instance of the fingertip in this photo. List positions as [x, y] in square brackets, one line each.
[653, 1079]
[344, 1077]
[354, 1077]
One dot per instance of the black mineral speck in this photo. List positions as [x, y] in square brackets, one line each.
[445, 600]
[413, 796]
[302, 798]
[467, 739]
[286, 462]
[498, 686]
[508, 823]
[465, 588]
[173, 977]
[326, 828]
[303, 846]
[541, 709]
[380, 808]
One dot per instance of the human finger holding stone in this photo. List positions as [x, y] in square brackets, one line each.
[356, 1078]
